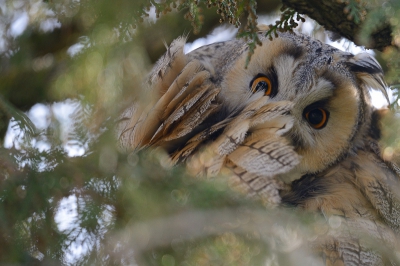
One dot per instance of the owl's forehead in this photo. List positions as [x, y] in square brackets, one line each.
[313, 50]
[308, 53]
[302, 64]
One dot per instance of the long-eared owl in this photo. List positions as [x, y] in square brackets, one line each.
[295, 127]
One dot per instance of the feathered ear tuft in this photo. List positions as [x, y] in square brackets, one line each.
[369, 72]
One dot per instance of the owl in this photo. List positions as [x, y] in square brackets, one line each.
[295, 128]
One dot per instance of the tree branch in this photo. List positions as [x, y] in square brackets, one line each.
[330, 14]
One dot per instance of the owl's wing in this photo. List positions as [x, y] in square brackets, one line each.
[182, 97]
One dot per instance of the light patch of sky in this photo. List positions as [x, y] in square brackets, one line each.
[40, 116]
[10, 137]
[49, 24]
[67, 219]
[20, 23]
[75, 49]
[21, 19]
[63, 112]
[78, 248]
[67, 213]
[219, 34]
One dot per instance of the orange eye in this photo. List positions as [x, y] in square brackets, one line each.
[262, 83]
[317, 117]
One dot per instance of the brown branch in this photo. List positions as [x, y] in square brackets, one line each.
[329, 13]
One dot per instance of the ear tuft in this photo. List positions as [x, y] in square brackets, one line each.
[369, 72]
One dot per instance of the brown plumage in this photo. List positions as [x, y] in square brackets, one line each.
[295, 128]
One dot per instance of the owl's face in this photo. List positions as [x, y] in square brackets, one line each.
[329, 89]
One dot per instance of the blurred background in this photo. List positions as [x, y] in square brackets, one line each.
[68, 196]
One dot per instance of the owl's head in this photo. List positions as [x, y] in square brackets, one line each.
[332, 112]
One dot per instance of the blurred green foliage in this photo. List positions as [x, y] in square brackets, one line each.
[121, 208]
